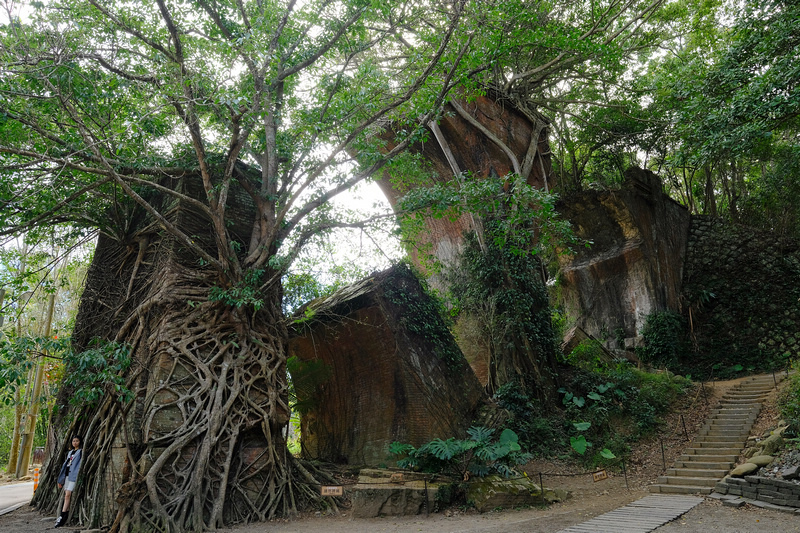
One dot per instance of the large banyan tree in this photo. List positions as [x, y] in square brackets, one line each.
[205, 140]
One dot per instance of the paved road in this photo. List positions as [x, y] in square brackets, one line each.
[11, 496]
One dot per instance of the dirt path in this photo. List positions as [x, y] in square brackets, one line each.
[708, 517]
[588, 499]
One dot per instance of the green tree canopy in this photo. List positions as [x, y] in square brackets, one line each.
[104, 102]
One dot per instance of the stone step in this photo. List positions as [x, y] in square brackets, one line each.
[690, 481]
[707, 458]
[724, 432]
[743, 396]
[725, 466]
[742, 423]
[713, 451]
[720, 439]
[719, 442]
[725, 429]
[719, 433]
[678, 489]
[725, 420]
[729, 424]
[713, 444]
[698, 472]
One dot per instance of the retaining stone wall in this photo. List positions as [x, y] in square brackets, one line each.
[774, 491]
[742, 287]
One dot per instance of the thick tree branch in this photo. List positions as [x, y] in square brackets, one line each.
[489, 135]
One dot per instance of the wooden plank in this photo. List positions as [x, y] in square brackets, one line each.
[641, 516]
[647, 512]
[629, 520]
[638, 517]
[639, 520]
[594, 528]
[635, 518]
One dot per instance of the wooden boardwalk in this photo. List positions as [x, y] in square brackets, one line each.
[640, 516]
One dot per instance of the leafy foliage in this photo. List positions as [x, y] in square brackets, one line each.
[479, 454]
[665, 343]
[789, 402]
[97, 372]
[615, 405]
[499, 276]
[540, 430]
[426, 317]
[20, 354]
[306, 376]
[588, 355]
[91, 375]
[244, 293]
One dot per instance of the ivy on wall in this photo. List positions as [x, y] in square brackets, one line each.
[422, 314]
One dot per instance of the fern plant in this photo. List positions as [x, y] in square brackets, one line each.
[478, 455]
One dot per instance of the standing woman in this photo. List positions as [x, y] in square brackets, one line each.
[68, 476]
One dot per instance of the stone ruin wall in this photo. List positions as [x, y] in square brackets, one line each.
[737, 287]
[387, 381]
[635, 263]
[741, 294]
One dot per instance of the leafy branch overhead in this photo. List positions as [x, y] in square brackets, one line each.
[110, 119]
[93, 373]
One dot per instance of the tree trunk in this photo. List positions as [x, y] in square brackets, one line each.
[711, 199]
[485, 137]
[202, 443]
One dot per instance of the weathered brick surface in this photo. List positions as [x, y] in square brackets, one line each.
[634, 266]
[387, 382]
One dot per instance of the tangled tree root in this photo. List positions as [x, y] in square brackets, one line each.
[202, 444]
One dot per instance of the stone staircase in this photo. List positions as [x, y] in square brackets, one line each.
[719, 442]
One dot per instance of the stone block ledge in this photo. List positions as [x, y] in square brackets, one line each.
[763, 492]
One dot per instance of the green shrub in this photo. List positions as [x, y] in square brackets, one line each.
[6, 431]
[479, 454]
[607, 406]
[540, 435]
[789, 403]
[664, 335]
[622, 404]
[588, 355]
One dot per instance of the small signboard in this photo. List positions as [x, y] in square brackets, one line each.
[332, 490]
[600, 475]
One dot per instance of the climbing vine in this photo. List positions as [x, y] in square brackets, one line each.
[499, 278]
[425, 317]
